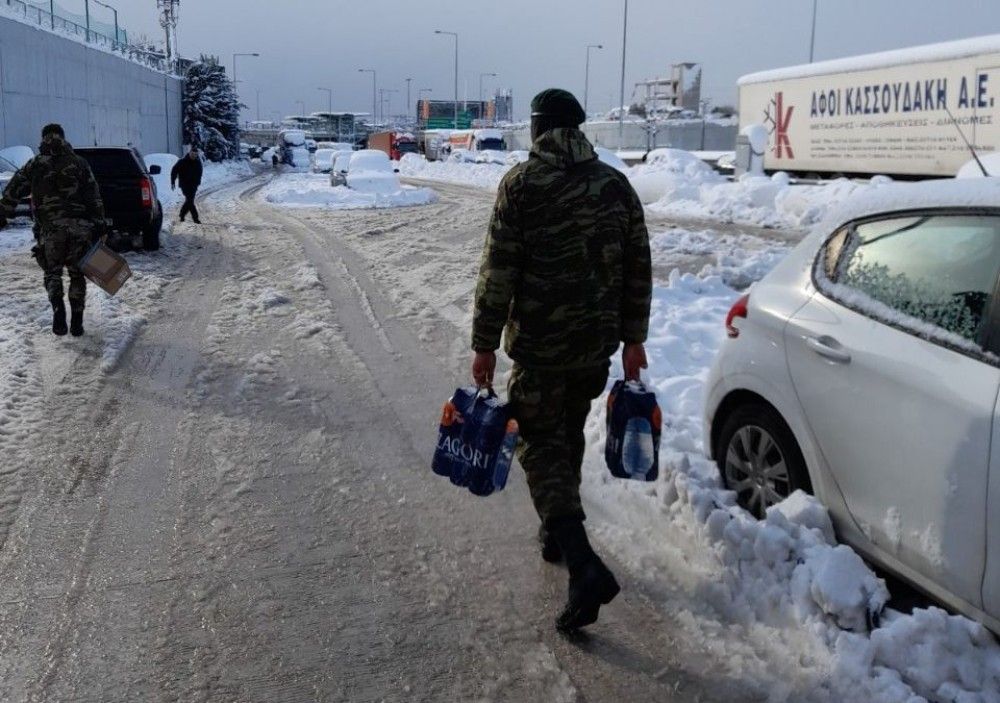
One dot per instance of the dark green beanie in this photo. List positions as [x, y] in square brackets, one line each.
[558, 106]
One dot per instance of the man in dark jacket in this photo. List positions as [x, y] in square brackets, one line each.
[69, 217]
[188, 171]
[566, 276]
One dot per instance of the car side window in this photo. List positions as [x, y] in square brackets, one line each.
[938, 270]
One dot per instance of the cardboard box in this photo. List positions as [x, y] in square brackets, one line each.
[105, 268]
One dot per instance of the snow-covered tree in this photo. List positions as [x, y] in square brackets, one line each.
[211, 110]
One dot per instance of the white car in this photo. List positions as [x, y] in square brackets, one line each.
[865, 369]
[371, 171]
[323, 160]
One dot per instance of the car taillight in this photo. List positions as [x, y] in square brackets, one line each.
[146, 188]
[739, 310]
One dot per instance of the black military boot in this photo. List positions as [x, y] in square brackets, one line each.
[550, 548]
[76, 321]
[591, 583]
[59, 317]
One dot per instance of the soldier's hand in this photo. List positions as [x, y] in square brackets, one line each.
[633, 361]
[484, 364]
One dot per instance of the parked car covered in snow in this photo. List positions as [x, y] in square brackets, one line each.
[341, 164]
[323, 160]
[371, 171]
[865, 369]
[7, 171]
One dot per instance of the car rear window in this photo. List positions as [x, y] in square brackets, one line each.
[111, 163]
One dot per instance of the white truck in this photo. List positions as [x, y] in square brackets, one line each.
[885, 113]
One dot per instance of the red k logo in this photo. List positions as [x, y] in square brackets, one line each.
[782, 119]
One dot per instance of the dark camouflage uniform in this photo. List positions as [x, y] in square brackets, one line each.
[67, 205]
[566, 274]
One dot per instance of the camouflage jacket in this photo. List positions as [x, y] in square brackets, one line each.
[566, 267]
[62, 188]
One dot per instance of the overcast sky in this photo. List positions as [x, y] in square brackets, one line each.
[532, 44]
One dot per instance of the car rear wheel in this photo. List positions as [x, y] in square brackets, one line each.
[759, 458]
[151, 234]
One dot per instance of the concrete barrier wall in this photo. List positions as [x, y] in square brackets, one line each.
[98, 97]
[680, 135]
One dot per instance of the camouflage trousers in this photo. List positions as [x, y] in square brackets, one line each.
[551, 407]
[63, 248]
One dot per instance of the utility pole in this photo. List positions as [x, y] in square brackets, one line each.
[621, 97]
[453, 34]
[168, 20]
[586, 80]
[812, 40]
[258, 104]
[98, 2]
[86, 10]
[329, 92]
[408, 105]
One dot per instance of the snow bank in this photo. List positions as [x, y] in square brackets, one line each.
[471, 174]
[312, 190]
[791, 609]
[691, 189]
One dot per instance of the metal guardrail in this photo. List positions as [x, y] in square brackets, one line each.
[49, 20]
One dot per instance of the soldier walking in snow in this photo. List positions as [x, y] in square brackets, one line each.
[188, 171]
[566, 273]
[69, 217]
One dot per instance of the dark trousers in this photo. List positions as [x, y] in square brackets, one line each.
[551, 407]
[189, 206]
[63, 248]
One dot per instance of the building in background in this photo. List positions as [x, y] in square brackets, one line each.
[440, 114]
[666, 96]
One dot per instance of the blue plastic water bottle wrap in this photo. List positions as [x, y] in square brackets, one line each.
[475, 441]
[634, 424]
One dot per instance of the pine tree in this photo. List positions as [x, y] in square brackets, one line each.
[211, 110]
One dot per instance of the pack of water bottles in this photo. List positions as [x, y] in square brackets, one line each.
[634, 425]
[476, 441]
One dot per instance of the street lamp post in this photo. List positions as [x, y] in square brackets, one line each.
[98, 2]
[303, 104]
[258, 104]
[329, 92]
[236, 82]
[374, 90]
[453, 34]
[481, 76]
[234, 63]
[621, 96]
[382, 93]
[812, 40]
[586, 80]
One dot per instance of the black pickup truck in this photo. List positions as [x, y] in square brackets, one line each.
[129, 194]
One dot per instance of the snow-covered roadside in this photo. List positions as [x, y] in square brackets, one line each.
[678, 184]
[486, 176]
[780, 601]
[112, 323]
[314, 190]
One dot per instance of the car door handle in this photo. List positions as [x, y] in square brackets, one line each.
[828, 348]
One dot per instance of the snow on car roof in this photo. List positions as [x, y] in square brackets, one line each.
[929, 52]
[896, 197]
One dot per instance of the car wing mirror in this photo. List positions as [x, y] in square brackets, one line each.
[155, 170]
